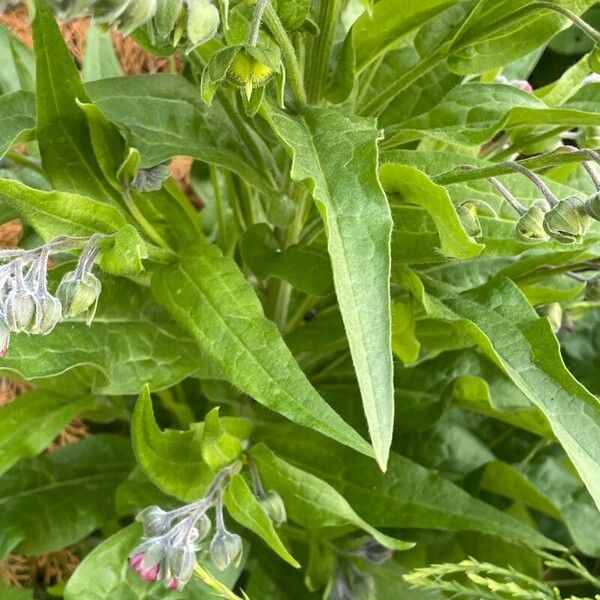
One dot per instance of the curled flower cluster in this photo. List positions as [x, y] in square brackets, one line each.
[167, 551]
[26, 305]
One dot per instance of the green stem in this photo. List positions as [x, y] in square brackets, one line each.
[136, 213]
[257, 18]
[25, 161]
[214, 180]
[532, 139]
[576, 20]
[294, 75]
[329, 17]
[300, 313]
[468, 173]
[380, 102]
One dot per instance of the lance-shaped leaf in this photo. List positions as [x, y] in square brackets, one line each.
[311, 501]
[407, 496]
[510, 332]
[62, 130]
[336, 156]
[18, 67]
[17, 119]
[32, 421]
[208, 295]
[56, 499]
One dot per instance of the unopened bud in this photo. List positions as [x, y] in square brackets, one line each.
[78, 294]
[467, 213]
[594, 59]
[274, 507]
[361, 584]
[568, 221]
[48, 312]
[375, 552]
[530, 227]
[225, 549]
[151, 180]
[554, 313]
[135, 15]
[182, 560]
[20, 310]
[202, 22]
[203, 527]
[154, 520]
[4, 337]
[592, 206]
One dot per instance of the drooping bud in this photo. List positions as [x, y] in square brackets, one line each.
[248, 73]
[154, 520]
[4, 336]
[146, 559]
[181, 559]
[137, 13]
[361, 584]
[467, 213]
[151, 180]
[568, 221]
[530, 227]
[202, 22]
[522, 84]
[78, 293]
[107, 11]
[20, 310]
[554, 313]
[592, 206]
[594, 59]
[375, 552]
[48, 312]
[203, 527]
[225, 549]
[274, 507]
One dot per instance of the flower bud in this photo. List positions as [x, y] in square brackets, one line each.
[274, 507]
[594, 59]
[151, 180]
[146, 559]
[375, 552]
[592, 206]
[48, 312]
[107, 11]
[182, 560]
[135, 15]
[568, 221]
[246, 72]
[225, 549]
[154, 520]
[4, 337]
[361, 584]
[78, 294]
[202, 22]
[203, 527]
[530, 227]
[20, 310]
[554, 313]
[467, 213]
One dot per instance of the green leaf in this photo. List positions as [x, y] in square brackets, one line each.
[509, 331]
[62, 130]
[493, 35]
[99, 58]
[293, 13]
[32, 421]
[162, 116]
[208, 295]
[105, 575]
[15, 593]
[409, 185]
[407, 496]
[172, 459]
[310, 501]
[389, 23]
[306, 267]
[17, 119]
[220, 447]
[131, 342]
[473, 113]
[243, 506]
[336, 156]
[56, 499]
[18, 67]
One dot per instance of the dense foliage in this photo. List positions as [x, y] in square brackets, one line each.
[363, 363]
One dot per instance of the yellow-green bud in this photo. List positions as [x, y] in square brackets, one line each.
[20, 311]
[554, 313]
[78, 294]
[246, 72]
[274, 507]
[594, 59]
[568, 221]
[135, 15]
[467, 213]
[48, 312]
[530, 227]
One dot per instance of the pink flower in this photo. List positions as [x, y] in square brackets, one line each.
[172, 584]
[137, 562]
